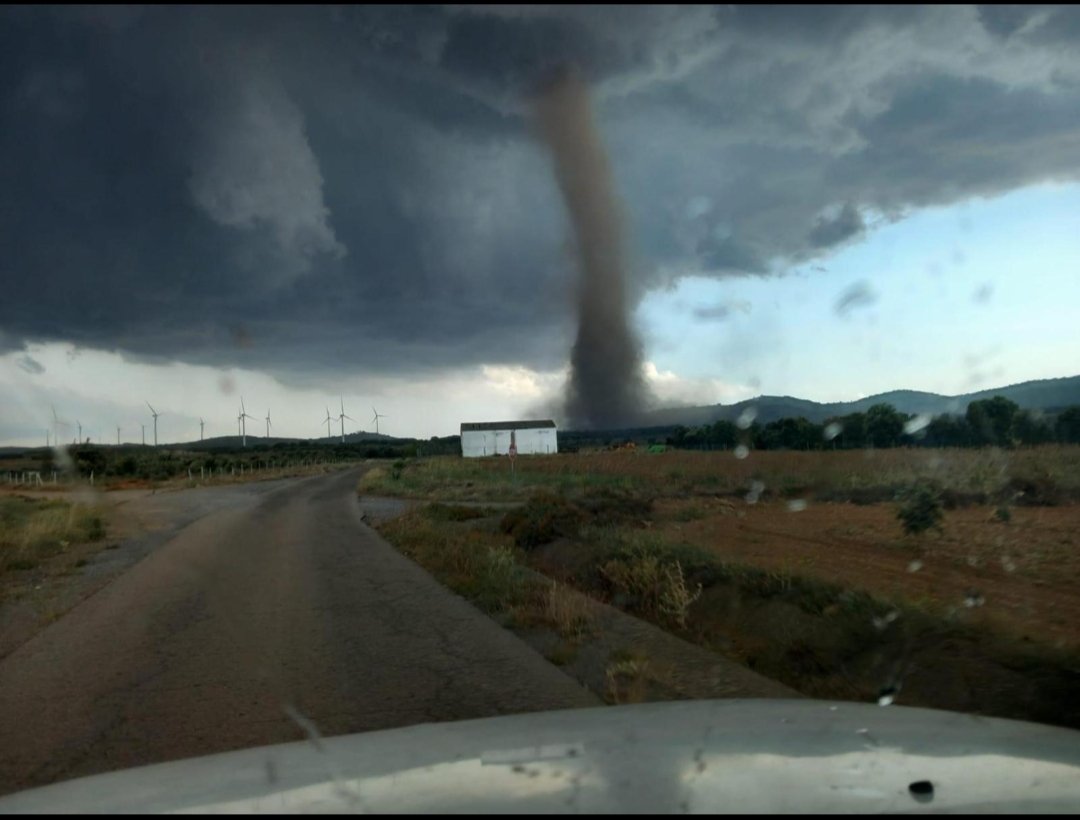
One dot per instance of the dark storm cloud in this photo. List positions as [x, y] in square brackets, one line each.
[363, 188]
[833, 230]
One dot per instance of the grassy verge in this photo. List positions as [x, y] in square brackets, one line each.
[33, 530]
[823, 639]
[484, 567]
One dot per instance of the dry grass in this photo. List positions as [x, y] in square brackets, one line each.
[568, 612]
[627, 678]
[33, 529]
[839, 475]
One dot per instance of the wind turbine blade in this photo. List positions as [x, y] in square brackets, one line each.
[152, 410]
[350, 418]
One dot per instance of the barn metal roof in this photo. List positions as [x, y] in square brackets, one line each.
[476, 426]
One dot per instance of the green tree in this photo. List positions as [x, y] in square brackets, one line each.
[1027, 428]
[884, 425]
[724, 434]
[1067, 426]
[948, 431]
[992, 419]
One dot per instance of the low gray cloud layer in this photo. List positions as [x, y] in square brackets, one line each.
[362, 188]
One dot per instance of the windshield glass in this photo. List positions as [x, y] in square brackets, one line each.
[373, 367]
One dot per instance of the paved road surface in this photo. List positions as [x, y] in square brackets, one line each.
[284, 599]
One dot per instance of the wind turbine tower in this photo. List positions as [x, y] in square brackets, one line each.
[343, 417]
[243, 422]
[202, 426]
[376, 418]
[144, 435]
[155, 414]
[329, 420]
[80, 431]
[117, 436]
[268, 422]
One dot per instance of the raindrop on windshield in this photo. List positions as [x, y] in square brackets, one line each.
[756, 489]
[916, 424]
[973, 598]
[915, 566]
[796, 505]
[832, 430]
[746, 418]
[742, 451]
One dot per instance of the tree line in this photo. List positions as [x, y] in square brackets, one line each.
[996, 421]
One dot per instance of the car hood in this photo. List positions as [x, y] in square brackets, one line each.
[700, 756]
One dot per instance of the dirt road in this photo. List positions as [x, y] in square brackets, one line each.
[281, 601]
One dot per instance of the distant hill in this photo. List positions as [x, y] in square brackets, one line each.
[235, 442]
[1048, 395]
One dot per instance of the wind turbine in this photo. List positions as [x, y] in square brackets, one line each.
[243, 423]
[378, 416]
[80, 431]
[329, 419]
[268, 425]
[343, 417]
[117, 436]
[144, 435]
[202, 426]
[155, 414]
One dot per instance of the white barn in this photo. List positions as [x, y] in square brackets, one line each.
[492, 438]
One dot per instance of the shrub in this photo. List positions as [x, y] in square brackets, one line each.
[544, 518]
[396, 469]
[653, 586]
[921, 508]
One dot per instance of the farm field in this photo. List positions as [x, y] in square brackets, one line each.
[794, 564]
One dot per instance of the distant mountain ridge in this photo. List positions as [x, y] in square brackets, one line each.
[1047, 395]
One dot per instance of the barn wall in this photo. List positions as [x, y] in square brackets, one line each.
[479, 443]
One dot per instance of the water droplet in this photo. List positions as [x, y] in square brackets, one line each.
[742, 451]
[972, 561]
[1007, 564]
[833, 429]
[833, 708]
[916, 424]
[798, 505]
[973, 599]
[886, 619]
[756, 489]
[915, 566]
[746, 418]
[885, 700]
[922, 791]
